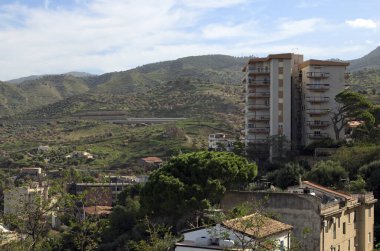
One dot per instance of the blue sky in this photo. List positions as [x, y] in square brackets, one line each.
[98, 36]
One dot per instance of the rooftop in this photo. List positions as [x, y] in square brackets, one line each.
[257, 226]
[315, 62]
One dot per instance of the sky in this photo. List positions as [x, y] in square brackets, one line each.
[99, 36]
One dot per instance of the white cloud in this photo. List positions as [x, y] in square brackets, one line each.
[362, 23]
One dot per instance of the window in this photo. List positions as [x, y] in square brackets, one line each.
[369, 212]
[281, 70]
[339, 222]
[349, 217]
[334, 230]
[282, 247]
[349, 245]
[344, 227]
[369, 237]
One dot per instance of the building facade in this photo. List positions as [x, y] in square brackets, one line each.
[323, 219]
[320, 82]
[19, 199]
[286, 96]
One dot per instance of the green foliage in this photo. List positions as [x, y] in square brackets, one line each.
[351, 105]
[159, 238]
[194, 181]
[363, 155]
[327, 173]
[358, 185]
[287, 175]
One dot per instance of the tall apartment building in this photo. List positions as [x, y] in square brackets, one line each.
[320, 82]
[286, 96]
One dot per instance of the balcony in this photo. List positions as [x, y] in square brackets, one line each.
[259, 130]
[258, 141]
[317, 111]
[259, 118]
[312, 74]
[318, 135]
[317, 124]
[258, 94]
[252, 82]
[318, 87]
[258, 107]
[258, 70]
[317, 99]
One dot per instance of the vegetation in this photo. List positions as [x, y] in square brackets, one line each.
[190, 183]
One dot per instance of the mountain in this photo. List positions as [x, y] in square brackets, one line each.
[35, 77]
[186, 87]
[369, 61]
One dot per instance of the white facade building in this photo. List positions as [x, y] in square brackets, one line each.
[236, 235]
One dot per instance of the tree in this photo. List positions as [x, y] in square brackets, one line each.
[287, 175]
[350, 105]
[327, 173]
[192, 182]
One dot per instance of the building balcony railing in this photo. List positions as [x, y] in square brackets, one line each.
[259, 118]
[258, 70]
[318, 135]
[258, 94]
[259, 130]
[317, 99]
[318, 87]
[317, 111]
[312, 74]
[258, 141]
[252, 82]
[318, 123]
[258, 107]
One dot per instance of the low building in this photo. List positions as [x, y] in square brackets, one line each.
[80, 155]
[98, 194]
[246, 233]
[323, 219]
[150, 162]
[219, 142]
[17, 199]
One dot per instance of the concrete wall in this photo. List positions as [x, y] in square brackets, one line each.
[299, 210]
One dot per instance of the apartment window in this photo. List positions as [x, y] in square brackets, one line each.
[369, 212]
[344, 227]
[280, 82]
[349, 245]
[349, 217]
[369, 237]
[281, 94]
[338, 247]
[281, 70]
[334, 230]
[339, 222]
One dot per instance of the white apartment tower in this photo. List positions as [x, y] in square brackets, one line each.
[320, 82]
[286, 96]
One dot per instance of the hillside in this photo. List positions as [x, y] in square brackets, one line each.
[369, 61]
[186, 87]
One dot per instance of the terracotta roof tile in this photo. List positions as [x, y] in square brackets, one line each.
[257, 226]
[327, 190]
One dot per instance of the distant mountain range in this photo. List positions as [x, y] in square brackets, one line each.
[192, 86]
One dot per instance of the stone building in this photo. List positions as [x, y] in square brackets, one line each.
[323, 219]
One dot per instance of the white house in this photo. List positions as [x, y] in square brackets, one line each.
[246, 233]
